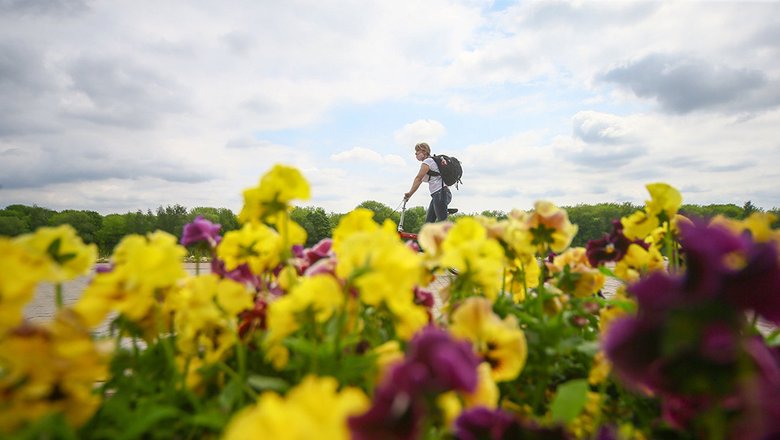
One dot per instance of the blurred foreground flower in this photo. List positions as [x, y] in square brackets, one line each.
[313, 409]
[434, 364]
[688, 341]
[48, 370]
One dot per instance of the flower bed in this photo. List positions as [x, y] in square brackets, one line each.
[340, 340]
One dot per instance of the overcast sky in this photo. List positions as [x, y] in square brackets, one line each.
[115, 106]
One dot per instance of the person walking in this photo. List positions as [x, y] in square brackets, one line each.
[429, 172]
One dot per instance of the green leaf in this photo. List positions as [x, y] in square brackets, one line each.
[263, 383]
[590, 348]
[230, 395]
[570, 399]
[214, 421]
[149, 419]
[607, 271]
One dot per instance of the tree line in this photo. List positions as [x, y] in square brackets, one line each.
[106, 231]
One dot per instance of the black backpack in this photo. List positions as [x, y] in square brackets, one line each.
[450, 169]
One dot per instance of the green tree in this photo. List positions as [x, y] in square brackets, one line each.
[776, 213]
[593, 221]
[12, 226]
[381, 211]
[315, 221]
[171, 219]
[113, 229]
[34, 216]
[749, 208]
[709, 211]
[414, 219]
[498, 215]
[13, 223]
[139, 222]
[333, 219]
[227, 219]
[86, 223]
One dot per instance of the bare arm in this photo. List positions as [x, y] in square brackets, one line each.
[418, 179]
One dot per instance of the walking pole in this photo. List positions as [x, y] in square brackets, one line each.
[401, 220]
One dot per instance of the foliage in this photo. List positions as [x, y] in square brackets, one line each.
[315, 221]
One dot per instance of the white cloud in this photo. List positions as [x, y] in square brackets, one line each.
[422, 130]
[360, 154]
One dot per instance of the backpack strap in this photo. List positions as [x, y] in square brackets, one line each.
[438, 164]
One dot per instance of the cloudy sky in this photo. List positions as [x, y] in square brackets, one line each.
[115, 106]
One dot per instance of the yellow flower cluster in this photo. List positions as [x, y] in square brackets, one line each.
[64, 254]
[204, 311]
[384, 270]
[144, 269]
[276, 189]
[476, 257]
[313, 409]
[580, 280]
[49, 254]
[662, 207]
[255, 245]
[319, 295]
[49, 369]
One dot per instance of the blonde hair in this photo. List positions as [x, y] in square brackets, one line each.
[425, 148]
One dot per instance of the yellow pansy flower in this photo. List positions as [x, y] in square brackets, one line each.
[320, 294]
[358, 220]
[313, 409]
[600, 369]
[430, 238]
[760, 226]
[154, 260]
[387, 355]
[522, 274]
[233, 297]
[486, 394]
[582, 280]
[20, 271]
[517, 235]
[501, 343]
[255, 245]
[383, 269]
[409, 318]
[47, 370]
[639, 225]
[477, 258]
[277, 188]
[550, 227]
[66, 255]
[637, 261]
[204, 314]
[290, 232]
[663, 199]
[144, 269]
[450, 406]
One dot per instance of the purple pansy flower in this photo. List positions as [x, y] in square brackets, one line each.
[611, 247]
[687, 341]
[201, 230]
[483, 423]
[451, 364]
[434, 363]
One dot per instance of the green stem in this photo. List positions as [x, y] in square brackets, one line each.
[232, 373]
[241, 355]
[58, 296]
